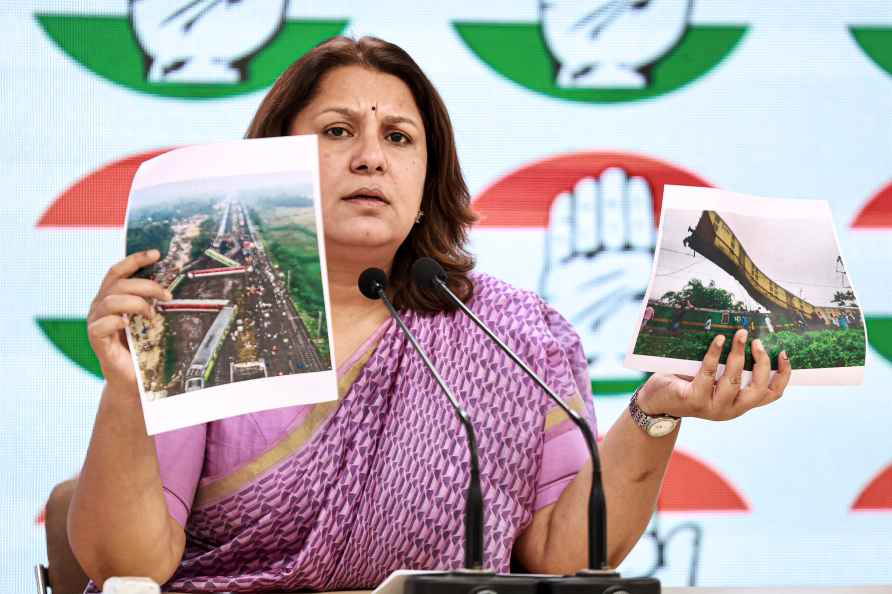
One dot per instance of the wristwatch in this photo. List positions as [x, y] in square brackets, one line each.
[655, 426]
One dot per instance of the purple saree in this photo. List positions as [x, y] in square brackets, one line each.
[338, 495]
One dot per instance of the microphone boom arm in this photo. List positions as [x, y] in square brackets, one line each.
[597, 531]
[474, 500]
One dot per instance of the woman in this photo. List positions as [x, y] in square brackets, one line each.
[337, 496]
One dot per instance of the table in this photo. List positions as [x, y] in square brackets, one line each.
[769, 590]
[750, 590]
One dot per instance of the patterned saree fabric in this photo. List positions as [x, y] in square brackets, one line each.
[338, 495]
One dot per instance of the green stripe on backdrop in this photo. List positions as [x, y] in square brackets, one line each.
[106, 46]
[879, 333]
[518, 52]
[621, 387]
[876, 43]
[69, 336]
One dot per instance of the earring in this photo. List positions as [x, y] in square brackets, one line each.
[419, 216]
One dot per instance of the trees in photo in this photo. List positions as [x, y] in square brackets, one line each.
[705, 296]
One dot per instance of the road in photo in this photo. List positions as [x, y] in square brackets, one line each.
[243, 268]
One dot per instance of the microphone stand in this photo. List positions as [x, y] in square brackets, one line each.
[372, 285]
[474, 500]
[473, 578]
[598, 577]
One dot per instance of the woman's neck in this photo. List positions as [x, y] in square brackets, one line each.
[354, 317]
[344, 290]
[344, 268]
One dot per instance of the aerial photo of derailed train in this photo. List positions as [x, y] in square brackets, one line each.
[708, 282]
[243, 267]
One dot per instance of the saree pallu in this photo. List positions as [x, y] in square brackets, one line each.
[338, 495]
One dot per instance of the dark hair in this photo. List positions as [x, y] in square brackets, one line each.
[442, 232]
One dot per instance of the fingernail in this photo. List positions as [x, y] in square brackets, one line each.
[757, 344]
[720, 339]
[743, 335]
[784, 355]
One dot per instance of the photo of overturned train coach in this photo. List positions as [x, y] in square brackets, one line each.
[708, 282]
[243, 268]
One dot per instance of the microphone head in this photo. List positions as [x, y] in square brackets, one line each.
[425, 271]
[371, 282]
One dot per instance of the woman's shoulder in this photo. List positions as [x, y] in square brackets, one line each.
[490, 291]
[534, 329]
[516, 311]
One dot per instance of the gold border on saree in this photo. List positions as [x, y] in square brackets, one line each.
[216, 490]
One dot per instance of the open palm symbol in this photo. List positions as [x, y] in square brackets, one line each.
[203, 41]
[610, 43]
[598, 253]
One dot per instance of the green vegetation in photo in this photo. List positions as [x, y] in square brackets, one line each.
[207, 231]
[293, 248]
[704, 296]
[807, 350]
[320, 336]
[151, 227]
[518, 52]
[844, 298]
[285, 202]
[820, 348]
[154, 234]
[322, 348]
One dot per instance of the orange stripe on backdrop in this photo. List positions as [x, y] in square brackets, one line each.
[691, 485]
[523, 198]
[99, 199]
[877, 213]
[877, 495]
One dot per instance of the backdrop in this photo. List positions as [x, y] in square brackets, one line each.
[596, 97]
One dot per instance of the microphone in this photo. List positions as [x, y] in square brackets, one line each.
[599, 577]
[373, 285]
[428, 273]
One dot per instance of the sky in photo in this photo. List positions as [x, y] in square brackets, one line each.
[243, 187]
[798, 254]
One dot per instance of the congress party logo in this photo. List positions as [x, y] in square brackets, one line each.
[98, 200]
[876, 42]
[596, 213]
[876, 215]
[603, 51]
[189, 48]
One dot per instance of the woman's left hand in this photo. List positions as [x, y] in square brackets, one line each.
[704, 397]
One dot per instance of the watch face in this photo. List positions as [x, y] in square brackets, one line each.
[661, 427]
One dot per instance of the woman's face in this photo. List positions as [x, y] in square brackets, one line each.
[372, 156]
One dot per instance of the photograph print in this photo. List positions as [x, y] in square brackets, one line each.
[240, 255]
[770, 266]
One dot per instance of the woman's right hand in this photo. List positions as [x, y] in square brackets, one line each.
[119, 295]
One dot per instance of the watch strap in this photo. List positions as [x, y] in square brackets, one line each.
[641, 418]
